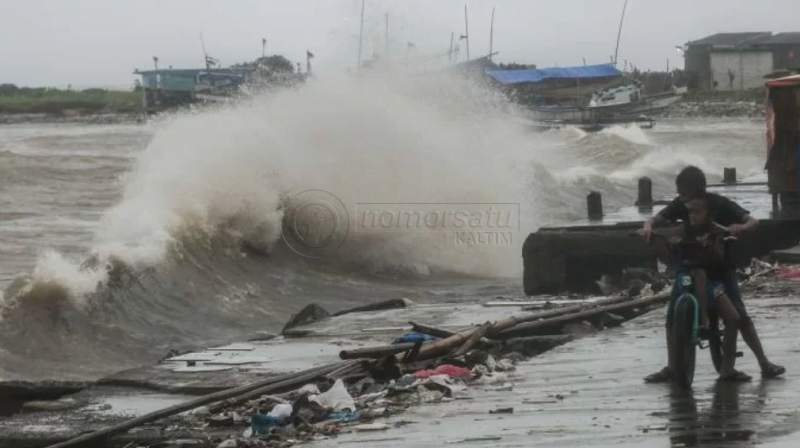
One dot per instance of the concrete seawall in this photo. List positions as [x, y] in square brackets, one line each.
[573, 258]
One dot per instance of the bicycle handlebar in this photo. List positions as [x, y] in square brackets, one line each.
[726, 232]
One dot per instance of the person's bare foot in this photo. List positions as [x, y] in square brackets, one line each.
[734, 376]
[662, 376]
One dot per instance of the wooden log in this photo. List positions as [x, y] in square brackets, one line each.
[376, 352]
[443, 334]
[572, 309]
[380, 306]
[473, 339]
[348, 369]
[234, 396]
[531, 328]
[526, 324]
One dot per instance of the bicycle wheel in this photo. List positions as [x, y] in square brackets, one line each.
[685, 331]
[715, 341]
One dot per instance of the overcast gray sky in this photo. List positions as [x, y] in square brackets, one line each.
[100, 42]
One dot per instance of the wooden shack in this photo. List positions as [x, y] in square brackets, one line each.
[783, 141]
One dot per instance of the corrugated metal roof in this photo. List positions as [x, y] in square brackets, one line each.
[731, 39]
[785, 82]
[540, 74]
[780, 38]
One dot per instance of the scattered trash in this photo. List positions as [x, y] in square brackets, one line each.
[343, 416]
[263, 424]
[445, 369]
[281, 411]
[230, 443]
[221, 420]
[413, 337]
[336, 398]
[506, 387]
[351, 396]
[372, 427]
[789, 273]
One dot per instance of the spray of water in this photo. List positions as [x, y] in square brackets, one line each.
[378, 138]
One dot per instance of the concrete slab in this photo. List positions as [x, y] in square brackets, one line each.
[791, 255]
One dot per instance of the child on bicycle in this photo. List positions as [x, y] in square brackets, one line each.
[691, 183]
[701, 252]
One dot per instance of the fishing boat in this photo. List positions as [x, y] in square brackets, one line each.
[590, 97]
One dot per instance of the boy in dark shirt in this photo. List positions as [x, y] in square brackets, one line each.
[691, 183]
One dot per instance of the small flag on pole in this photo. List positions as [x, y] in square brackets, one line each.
[309, 54]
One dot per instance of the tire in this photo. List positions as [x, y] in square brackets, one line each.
[715, 343]
[685, 331]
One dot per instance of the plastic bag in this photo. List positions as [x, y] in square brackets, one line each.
[335, 399]
[281, 411]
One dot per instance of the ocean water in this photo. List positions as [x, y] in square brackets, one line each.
[120, 242]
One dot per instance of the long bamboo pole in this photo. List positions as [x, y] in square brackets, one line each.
[243, 392]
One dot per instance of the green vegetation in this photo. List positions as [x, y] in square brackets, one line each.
[275, 63]
[27, 100]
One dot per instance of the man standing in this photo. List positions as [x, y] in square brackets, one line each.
[691, 183]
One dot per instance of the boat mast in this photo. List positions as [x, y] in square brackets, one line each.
[205, 54]
[360, 36]
[450, 53]
[491, 36]
[619, 32]
[466, 24]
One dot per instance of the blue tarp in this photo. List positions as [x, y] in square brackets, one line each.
[541, 74]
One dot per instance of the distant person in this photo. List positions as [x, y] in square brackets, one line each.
[691, 184]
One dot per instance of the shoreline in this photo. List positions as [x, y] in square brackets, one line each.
[62, 411]
[526, 379]
[690, 108]
[43, 118]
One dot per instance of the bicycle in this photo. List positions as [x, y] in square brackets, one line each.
[686, 323]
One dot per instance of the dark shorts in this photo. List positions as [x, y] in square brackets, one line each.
[729, 283]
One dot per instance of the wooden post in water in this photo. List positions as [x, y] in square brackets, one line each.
[729, 176]
[594, 206]
[645, 196]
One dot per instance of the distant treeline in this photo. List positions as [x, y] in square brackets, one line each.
[48, 100]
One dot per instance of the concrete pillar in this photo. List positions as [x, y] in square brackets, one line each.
[645, 196]
[729, 176]
[594, 206]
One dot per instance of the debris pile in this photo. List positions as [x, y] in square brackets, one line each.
[425, 365]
